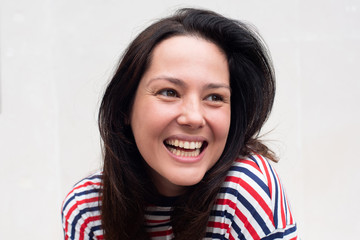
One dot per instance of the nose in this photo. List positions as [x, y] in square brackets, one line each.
[192, 114]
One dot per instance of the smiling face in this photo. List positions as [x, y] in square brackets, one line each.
[181, 112]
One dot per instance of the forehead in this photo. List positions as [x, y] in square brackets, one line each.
[188, 57]
[182, 43]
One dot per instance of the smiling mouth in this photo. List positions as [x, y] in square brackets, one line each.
[185, 148]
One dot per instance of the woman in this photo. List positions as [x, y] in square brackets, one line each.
[179, 123]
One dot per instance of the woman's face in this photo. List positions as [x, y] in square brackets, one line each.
[181, 113]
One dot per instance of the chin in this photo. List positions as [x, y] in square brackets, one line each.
[187, 181]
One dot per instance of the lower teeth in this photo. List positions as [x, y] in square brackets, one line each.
[180, 153]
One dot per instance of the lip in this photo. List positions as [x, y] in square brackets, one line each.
[186, 159]
[190, 139]
[187, 138]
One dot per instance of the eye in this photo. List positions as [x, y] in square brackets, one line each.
[214, 98]
[168, 93]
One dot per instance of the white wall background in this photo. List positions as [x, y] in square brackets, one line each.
[56, 57]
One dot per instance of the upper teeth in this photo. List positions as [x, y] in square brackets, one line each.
[184, 144]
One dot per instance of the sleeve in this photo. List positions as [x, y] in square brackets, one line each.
[262, 210]
[81, 217]
[283, 221]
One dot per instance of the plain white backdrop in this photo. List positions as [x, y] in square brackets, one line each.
[56, 57]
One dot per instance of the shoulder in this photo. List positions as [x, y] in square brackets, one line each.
[81, 208]
[255, 171]
[252, 177]
[253, 199]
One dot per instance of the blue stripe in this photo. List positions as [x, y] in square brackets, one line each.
[248, 206]
[229, 216]
[97, 176]
[167, 224]
[276, 220]
[255, 160]
[285, 203]
[280, 235]
[159, 213]
[91, 235]
[78, 216]
[217, 213]
[251, 175]
[92, 230]
[238, 231]
[215, 236]
[277, 191]
[75, 194]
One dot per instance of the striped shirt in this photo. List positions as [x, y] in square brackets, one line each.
[251, 204]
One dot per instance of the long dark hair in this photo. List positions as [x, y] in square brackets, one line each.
[126, 185]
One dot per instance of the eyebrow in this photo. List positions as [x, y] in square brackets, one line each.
[217, 85]
[181, 83]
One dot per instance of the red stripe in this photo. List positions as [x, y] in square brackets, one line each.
[254, 194]
[249, 162]
[241, 217]
[67, 219]
[161, 233]
[84, 185]
[232, 205]
[156, 221]
[77, 203]
[88, 200]
[80, 186]
[227, 202]
[85, 223]
[266, 173]
[282, 206]
[219, 225]
[247, 224]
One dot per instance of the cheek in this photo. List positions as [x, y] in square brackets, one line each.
[220, 125]
[149, 117]
[220, 122]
